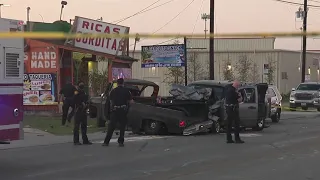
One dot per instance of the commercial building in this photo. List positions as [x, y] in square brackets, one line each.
[264, 63]
[51, 63]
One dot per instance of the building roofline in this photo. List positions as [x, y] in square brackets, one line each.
[237, 38]
[245, 51]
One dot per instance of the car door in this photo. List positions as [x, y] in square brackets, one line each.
[248, 108]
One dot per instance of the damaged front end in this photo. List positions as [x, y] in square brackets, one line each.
[202, 127]
[205, 126]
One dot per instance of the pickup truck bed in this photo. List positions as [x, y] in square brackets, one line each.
[173, 116]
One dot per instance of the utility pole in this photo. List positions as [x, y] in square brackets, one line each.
[211, 44]
[304, 41]
[28, 19]
[205, 17]
[185, 62]
[4, 5]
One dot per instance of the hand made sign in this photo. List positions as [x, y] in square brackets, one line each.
[42, 57]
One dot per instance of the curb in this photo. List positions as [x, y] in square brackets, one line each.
[127, 133]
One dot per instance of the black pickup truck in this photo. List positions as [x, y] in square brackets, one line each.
[153, 115]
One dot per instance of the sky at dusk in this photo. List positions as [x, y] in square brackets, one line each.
[231, 16]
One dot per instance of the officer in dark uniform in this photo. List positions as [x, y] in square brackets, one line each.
[66, 95]
[120, 99]
[80, 119]
[232, 107]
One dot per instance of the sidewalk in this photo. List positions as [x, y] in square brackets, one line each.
[34, 137]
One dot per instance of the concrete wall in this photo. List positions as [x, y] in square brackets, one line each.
[290, 63]
[233, 44]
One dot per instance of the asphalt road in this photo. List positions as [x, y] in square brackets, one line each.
[289, 150]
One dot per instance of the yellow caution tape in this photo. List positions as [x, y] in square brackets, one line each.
[56, 35]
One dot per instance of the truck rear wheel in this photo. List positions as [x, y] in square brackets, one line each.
[260, 125]
[152, 127]
[276, 117]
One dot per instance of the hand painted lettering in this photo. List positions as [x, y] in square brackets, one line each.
[47, 60]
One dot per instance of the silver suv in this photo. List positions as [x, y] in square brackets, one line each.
[275, 100]
[305, 95]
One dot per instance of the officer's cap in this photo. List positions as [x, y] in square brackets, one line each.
[120, 81]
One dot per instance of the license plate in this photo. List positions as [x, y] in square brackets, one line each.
[303, 104]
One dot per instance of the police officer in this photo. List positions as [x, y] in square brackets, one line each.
[80, 119]
[66, 95]
[120, 99]
[232, 107]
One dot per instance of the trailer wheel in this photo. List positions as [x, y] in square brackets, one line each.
[216, 128]
[152, 127]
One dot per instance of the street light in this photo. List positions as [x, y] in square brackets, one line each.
[229, 67]
[63, 3]
[205, 17]
[4, 5]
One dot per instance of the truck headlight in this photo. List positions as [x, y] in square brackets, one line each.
[292, 95]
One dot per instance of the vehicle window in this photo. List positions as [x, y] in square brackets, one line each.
[248, 95]
[134, 89]
[271, 93]
[218, 91]
[309, 87]
[147, 92]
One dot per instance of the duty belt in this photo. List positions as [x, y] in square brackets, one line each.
[119, 107]
[230, 105]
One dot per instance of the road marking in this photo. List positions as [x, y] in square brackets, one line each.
[136, 138]
[247, 135]
[250, 135]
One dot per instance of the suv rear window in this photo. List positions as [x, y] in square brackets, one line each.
[309, 87]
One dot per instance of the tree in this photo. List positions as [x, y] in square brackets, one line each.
[254, 75]
[243, 68]
[174, 75]
[195, 69]
[227, 71]
[98, 81]
[270, 75]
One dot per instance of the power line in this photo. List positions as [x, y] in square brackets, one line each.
[295, 3]
[117, 22]
[170, 19]
[315, 1]
[144, 10]
[173, 18]
[166, 41]
[195, 24]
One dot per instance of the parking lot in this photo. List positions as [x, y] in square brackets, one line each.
[287, 150]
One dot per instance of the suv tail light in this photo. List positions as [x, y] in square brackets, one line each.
[159, 100]
[182, 123]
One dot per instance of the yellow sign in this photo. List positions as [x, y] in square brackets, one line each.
[114, 85]
[79, 56]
